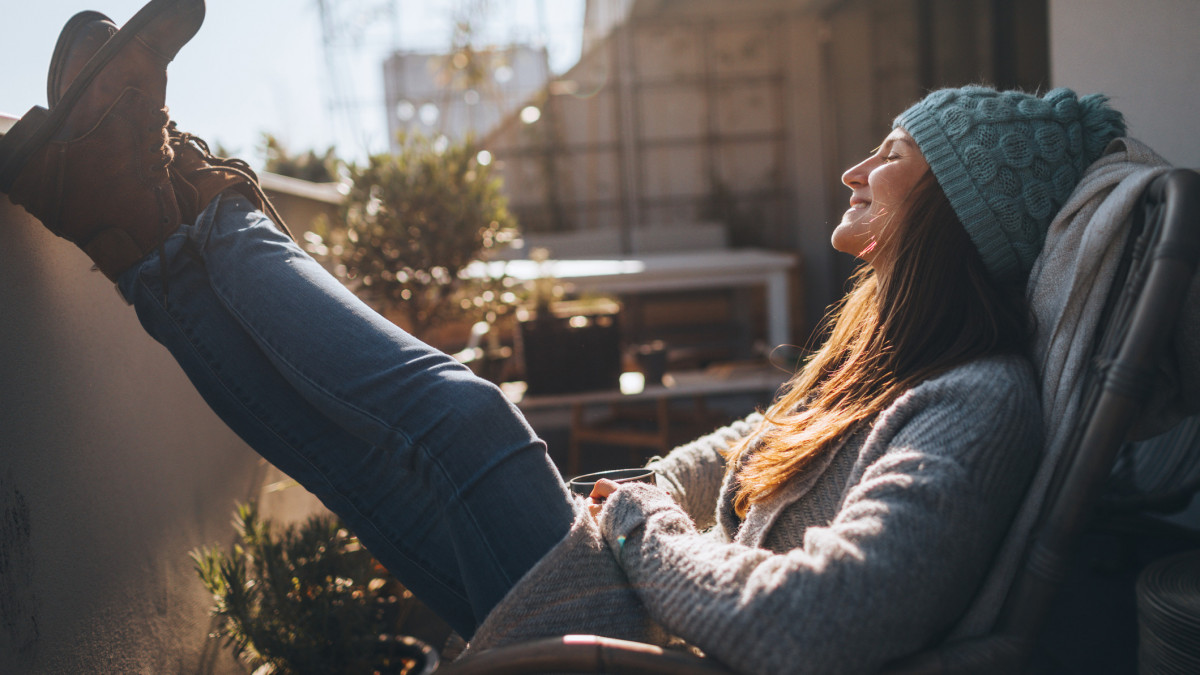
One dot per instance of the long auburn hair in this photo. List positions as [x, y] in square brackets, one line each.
[926, 305]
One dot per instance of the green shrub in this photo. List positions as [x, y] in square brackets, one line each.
[414, 221]
[307, 599]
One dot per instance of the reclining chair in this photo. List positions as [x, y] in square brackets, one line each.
[1157, 270]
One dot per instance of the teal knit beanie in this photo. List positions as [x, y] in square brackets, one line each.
[1007, 161]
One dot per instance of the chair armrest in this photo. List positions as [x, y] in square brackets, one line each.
[582, 654]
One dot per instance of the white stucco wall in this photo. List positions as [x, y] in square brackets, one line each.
[111, 470]
[1145, 54]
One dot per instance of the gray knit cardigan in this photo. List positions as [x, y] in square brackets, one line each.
[869, 556]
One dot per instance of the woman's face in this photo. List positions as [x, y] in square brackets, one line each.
[879, 186]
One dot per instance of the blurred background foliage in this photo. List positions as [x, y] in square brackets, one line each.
[411, 223]
[307, 166]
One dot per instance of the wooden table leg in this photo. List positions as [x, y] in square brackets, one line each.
[573, 458]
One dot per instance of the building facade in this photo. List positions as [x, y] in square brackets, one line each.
[465, 92]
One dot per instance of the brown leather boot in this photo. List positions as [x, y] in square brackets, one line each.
[197, 175]
[93, 169]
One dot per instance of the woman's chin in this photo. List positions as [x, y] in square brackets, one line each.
[848, 238]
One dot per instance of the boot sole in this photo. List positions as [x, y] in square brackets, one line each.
[65, 38]
[14, 158]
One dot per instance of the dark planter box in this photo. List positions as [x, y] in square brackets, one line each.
[571, 348]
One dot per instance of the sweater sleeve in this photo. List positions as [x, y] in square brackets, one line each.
[888, 576]
[692, 473]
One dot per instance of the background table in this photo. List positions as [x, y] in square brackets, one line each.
[698, 385]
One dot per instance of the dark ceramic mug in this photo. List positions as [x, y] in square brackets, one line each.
[582, 485]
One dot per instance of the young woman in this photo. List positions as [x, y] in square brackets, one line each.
[848, 525]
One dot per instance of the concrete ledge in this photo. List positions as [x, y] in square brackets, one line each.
[329, 193]
[112, 469]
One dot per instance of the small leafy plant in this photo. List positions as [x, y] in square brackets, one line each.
[413, 223]
[308, 599]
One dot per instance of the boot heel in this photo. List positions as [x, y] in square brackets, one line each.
[14, 146]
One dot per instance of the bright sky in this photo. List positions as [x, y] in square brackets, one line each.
[258, 65]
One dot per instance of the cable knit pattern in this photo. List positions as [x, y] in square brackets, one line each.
[933, 485]
[1008, 160]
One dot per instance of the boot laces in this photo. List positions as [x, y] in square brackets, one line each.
[162, 122]
[215, 164]
[166, 154]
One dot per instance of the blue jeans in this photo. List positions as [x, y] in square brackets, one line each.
[433, 468]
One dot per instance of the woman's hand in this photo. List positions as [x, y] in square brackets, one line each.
[603, 488]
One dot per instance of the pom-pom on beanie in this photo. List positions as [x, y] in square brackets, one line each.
[1008, 160]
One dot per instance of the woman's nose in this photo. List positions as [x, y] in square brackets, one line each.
[856, 176]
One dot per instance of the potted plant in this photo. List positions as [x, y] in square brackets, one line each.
[311, 599]
[412, 222]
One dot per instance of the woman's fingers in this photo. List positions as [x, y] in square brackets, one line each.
[603, 488]
[600, 491]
